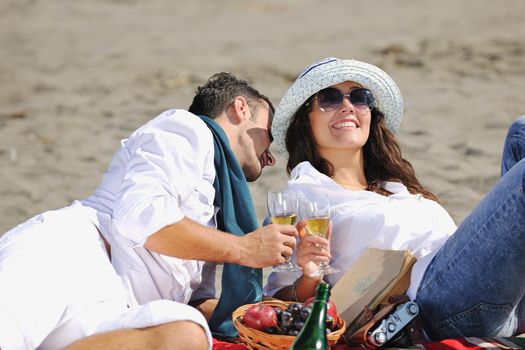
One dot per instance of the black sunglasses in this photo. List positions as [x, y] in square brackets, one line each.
[330, 99]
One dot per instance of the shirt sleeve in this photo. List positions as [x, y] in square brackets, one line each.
[166, 162]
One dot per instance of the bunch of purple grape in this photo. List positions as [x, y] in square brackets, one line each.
[291, 320]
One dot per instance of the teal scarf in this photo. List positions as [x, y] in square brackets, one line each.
[240, 284]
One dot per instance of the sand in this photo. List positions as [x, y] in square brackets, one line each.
[77, 76]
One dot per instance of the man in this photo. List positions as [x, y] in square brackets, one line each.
[156, 216]
[156, 202]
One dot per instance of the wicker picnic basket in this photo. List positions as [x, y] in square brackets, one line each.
[258, 340]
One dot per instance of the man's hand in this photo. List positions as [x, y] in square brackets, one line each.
[267, 246]
[187, 239]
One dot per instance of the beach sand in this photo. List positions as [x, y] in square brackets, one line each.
[76, 77]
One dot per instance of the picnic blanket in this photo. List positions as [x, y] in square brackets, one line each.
[473, 343]
[470, 343]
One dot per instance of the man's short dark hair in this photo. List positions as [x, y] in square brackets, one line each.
[218, 93]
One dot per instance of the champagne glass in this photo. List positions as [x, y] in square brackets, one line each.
[315, 211]
[282, 208]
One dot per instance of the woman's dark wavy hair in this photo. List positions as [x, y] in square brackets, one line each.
[382, 154]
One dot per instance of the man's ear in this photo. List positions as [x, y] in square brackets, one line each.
[240, 110]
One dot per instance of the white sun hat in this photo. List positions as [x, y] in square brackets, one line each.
[331, 71]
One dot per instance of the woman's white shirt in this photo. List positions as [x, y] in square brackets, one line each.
[363, 219]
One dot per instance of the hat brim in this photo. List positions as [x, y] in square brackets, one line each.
[335, 71]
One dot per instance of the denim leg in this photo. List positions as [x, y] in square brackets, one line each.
[513, 152]
[473, 285]
[514, 148]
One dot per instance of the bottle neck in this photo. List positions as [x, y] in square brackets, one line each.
[322, 292]
[313, 335]
[318, 308]
[316, 322]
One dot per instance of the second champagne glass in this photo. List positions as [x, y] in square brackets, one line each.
[315, 211]
[282, 209]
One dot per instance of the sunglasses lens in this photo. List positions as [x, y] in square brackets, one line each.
[362, 98]
[329, 99]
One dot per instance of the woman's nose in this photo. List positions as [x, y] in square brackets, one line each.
[346, 105]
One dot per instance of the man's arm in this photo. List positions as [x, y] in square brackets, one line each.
[187, 239]
[167, 162]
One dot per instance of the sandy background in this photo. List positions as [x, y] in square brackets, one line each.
[77, 76]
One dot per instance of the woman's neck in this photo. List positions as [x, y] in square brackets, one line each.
[349, 171]
[350, 179]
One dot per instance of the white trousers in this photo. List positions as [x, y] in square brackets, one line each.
[57, 285]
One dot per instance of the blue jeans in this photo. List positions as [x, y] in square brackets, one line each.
[514, 149]
[475, 285]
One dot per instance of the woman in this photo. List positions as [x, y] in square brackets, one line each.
[337, 123]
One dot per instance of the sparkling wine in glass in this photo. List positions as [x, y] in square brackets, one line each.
[315, 211]
[317, 226]
[288, 219]
[282, 209]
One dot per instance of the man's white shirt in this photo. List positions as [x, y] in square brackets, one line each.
[162, 173]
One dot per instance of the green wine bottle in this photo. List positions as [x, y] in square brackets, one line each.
[313, 334]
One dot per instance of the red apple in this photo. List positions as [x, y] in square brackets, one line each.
[330, 307]
[260, 317]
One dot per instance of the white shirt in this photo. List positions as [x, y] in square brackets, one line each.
[162, 173]
[362, 219]
[57, 285]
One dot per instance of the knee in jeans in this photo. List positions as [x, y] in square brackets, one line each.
[520, 120]
[517, 129]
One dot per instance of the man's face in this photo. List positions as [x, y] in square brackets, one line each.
[254, 141]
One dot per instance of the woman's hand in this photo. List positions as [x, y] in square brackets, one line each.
[312, 250]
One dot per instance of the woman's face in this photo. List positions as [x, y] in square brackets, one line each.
[346, 127]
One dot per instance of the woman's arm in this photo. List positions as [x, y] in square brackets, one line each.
[311, 251]
[303, 288]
